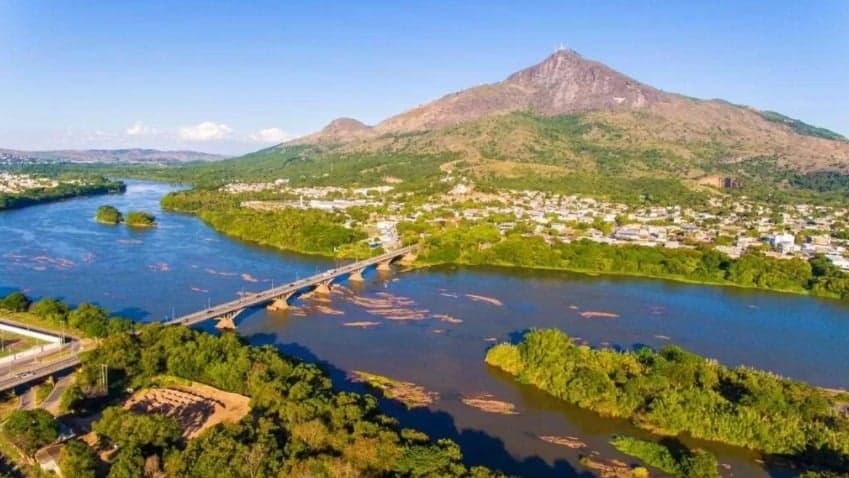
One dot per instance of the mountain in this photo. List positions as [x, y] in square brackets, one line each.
[339, 130]
[109, 156]
[565, 83]
[571, 125]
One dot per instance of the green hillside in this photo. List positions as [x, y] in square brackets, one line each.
[623, 156]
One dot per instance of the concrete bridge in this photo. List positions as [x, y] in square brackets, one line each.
[278, 298]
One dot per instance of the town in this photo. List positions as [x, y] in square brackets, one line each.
[731, 225]
[11, 183]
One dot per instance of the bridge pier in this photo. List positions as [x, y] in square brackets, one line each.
[323, 288]
[356, 276]
[385, 265]
[408, 258]
[228, 320]
[279, 303]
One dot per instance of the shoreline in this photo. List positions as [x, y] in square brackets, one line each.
[509, 267]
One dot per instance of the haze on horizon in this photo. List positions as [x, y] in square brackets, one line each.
[236, 78]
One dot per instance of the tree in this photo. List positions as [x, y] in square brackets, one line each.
[15, 302]
[77, 459]
[108, 215]
[134, 429]
[128, 464]
[91, 319]
[51, 309]
[140, 219]
[30, 430]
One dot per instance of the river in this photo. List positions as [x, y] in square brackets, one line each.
[182, 265]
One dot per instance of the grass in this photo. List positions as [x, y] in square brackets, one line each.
[43, 390]
[11, 343]
[26, 318]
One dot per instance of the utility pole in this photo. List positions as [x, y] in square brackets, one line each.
[104, 378]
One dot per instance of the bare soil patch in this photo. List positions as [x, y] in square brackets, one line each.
[364, 324]
[593, 314]
[408, 393]
[485, 299]
[196, 407]
[567, 441]
[488, 403]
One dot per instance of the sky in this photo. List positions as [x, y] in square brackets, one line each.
[232, 77]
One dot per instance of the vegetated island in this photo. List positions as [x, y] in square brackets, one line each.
[297, 425]
[140, 219]
[23, 190]
[671, 392]
[107, 214]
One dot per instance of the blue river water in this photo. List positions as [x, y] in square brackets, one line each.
[431, 327]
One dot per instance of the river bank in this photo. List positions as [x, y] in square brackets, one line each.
[60, 193]
[338, 253]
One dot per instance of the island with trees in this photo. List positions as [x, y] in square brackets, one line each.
[140, 219]
[672, 392]
[107, 214]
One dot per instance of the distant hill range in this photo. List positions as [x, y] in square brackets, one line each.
[105, 156]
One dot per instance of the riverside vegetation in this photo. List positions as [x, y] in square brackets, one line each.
[672, 391]
[299, 425]
[467, 243]
[86, 186]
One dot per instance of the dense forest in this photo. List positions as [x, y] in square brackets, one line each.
[92, 186]
[307, 231]
[672, 391]
[298, 425]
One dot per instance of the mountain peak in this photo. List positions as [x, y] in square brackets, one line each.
[340, 130]
[344, 125]
[566, 82]
[563, 83]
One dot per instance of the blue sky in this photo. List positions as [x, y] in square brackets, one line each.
[236, 76]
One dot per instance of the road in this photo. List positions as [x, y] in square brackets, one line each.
[51, 403]
[38, 371]
[27, 399]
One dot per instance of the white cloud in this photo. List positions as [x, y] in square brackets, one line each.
[206, 131]
[139, 129]
[271, 135]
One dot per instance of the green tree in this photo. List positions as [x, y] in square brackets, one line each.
[15, 302]
[134, 429]
[30, 430]
[140, 219]
[91, 319]
[128, 464]
[107, 214]
[51, 309]
[77, 459]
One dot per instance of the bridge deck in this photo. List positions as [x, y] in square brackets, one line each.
[286, 290]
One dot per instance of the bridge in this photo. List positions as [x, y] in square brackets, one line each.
[277, 298]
